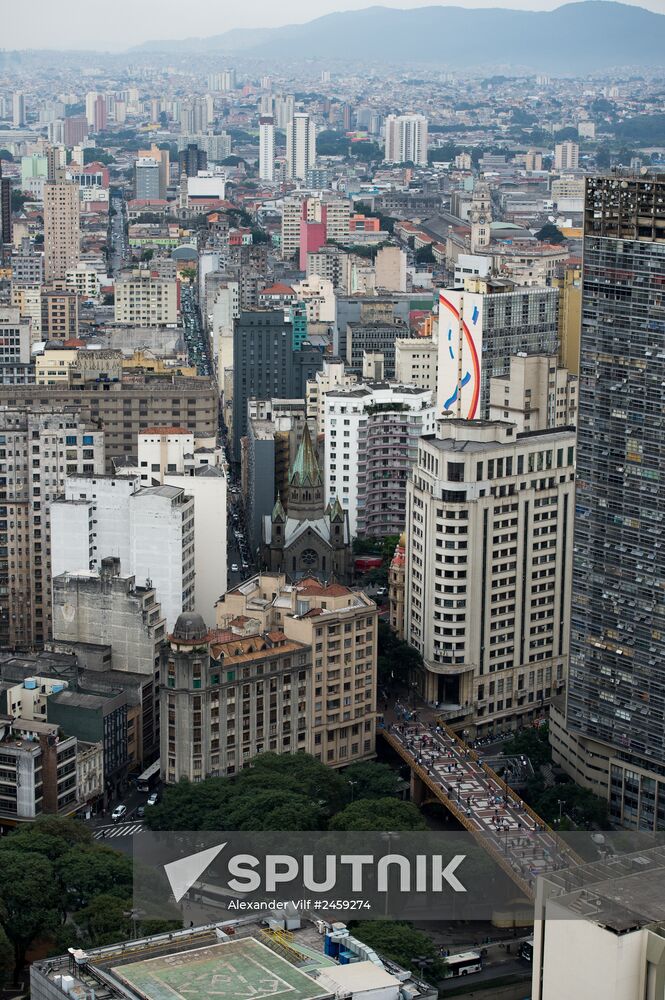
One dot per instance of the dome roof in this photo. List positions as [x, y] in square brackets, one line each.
[190, 627]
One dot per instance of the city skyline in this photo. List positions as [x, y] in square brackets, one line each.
[44, 26]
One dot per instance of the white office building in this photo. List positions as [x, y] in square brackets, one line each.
[150, 529]
[406, 139]
[487, 584]
[267, 148]
[371, 435]
[300, 146]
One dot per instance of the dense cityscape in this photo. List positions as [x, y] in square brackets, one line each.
[332, 481]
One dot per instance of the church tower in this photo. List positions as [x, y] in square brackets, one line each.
[306, 494]
[480, 216]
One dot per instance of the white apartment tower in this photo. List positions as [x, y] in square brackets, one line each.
[488, 557]
[406, 139]
[267, 148]
[149, 529]
[300, 146]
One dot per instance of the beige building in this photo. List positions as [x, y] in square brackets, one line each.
[40, 449]
[536, 394]
[52, 366]
[60, 316]
[228, 696]
[62, 236]
[569, 282]
[390, 269]
[122, 407]
[566, 155]
[145, 300]
[28, 300]
[396, 587]
[340, 626]
[417, 362]
[489, 549]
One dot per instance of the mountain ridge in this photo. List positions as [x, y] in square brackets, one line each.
[586, 36]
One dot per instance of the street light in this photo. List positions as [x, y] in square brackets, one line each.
[353, 785]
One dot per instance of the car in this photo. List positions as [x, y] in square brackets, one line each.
[234, 567]
[152, 799]
[140, 812]
[118, 813]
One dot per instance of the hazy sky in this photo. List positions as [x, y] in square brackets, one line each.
[123, 23]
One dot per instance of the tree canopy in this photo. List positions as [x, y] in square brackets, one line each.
[379, 814]
[550, 233]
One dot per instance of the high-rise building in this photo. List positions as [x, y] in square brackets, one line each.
[149, 529]
[371, 438]
[18, 109]
[267, 148]
[100, 117]
[62, 235]
[5, 210]
[144, 300]
[480, 328]
[41, 448]
[406, 139]
[161, 157]
[192, 159]
[27, 266]
[59, 319]
[284, 110]
[75, 130]
[15, 344]
[489, 542]
[90, 100]
[265, 365]
[614, 735]
[147, 179]
[300, 146]
[566, 156]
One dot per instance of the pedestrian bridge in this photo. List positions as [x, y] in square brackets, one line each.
[444, 769]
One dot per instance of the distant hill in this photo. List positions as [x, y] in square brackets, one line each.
[575, 38]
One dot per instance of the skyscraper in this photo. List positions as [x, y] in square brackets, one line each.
[18, 109]
[61, 227]
[406, 139]
[147, 179]
[300, 146]
[5, 209]
[614, 737]
[267, 148]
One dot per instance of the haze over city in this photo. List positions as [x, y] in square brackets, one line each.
[68, 24]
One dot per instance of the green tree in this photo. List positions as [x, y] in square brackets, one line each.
[370, 780]
[401, 942]
[425, 255]
[51, 836]
[550, 233]
[6, 958]
[97, 155]
[85, 873]
[533, 743]
[28, 900]
[6, 155]
[386, 814]
[147, 255]
[270, 809]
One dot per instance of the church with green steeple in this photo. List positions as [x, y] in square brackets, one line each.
[308, 537]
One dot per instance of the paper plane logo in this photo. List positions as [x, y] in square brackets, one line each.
[183, 873]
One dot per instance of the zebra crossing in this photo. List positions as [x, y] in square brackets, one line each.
[118, 830]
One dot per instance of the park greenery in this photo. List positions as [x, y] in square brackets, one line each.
[292, 792]
[563, 803]
[59, 889]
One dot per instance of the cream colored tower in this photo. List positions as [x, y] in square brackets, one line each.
[62, 233]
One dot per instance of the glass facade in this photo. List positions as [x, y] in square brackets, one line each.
[616, 688]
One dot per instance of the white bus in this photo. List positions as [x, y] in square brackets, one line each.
[463, 964]
[150, 777]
